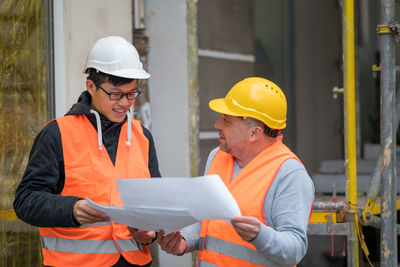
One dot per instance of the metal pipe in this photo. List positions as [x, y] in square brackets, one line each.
[375, 183]
[388, 249]
[374, 221]
[349, 95]
[330, 206]
[374, 186]
[193, 85]
[350, 129]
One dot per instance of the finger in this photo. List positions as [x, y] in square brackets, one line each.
[237, 219]
[85, 214]
[150, 235]
[145, 233]
[84, 217]
[165, 241]
[247, 234]
[247, 229]
[242, 232]
[243, 226]
[168, 243]
[92, 212]
[132, 231]
[174, 242]
[144, 236]
[244, 219]
[177, 245]
[95, 213]
[160, 236]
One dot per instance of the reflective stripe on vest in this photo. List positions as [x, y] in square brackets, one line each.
[233, 250]
[88, 246]
[95, 224]
[79, 246]
[127, 245]
[206, 264]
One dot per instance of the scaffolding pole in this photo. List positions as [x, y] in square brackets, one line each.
[350, 130]
[375, 183]
[388, 250]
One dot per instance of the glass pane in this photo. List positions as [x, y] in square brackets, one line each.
[23, 87]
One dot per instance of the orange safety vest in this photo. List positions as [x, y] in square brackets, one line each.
[220, 245]
[90, 172]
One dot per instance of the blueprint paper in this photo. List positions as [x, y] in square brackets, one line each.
[170, 204]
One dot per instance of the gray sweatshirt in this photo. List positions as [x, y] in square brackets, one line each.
[283, 240]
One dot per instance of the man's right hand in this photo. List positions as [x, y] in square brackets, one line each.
[84, 214]
[173, 243]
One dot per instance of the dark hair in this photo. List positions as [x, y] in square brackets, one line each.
[99, 77]
[271, 132]
[267, 130]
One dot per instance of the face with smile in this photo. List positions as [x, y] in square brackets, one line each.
[233, 134]
[114, 110]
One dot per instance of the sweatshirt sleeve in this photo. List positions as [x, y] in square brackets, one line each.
[37, 198]
[191, 234]
[287, 206]
[153, 161]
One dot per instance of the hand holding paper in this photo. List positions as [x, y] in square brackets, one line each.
[142, 237]
[84, 214]
[170, 204]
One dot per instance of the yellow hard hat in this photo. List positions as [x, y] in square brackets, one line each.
[256, 98]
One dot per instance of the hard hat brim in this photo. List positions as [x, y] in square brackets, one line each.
[123, 73]
[131, 74]
[219, 105]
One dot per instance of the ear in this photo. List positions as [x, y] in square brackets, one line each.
[256, 133]
[90, 86]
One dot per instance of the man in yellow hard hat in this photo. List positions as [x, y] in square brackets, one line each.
[270, 184]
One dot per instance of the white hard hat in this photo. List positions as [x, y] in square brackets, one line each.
[115, 56]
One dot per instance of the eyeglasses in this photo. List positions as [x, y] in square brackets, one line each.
[118, 96]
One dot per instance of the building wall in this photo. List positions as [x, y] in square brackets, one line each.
[168, 60]
[318, 61]
[83, 22]
[226, 56]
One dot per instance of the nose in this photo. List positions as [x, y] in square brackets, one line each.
[218, 124]
[125, 101]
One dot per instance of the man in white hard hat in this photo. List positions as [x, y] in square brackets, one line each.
[269, 183]
[82, 154]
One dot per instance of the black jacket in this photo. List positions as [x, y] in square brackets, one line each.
[37, 199]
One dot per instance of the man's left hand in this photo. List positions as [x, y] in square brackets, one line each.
[142, 237]
[247, 227]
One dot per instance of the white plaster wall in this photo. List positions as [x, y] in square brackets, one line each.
[168, 65]
[168, 61]
[83, 23]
